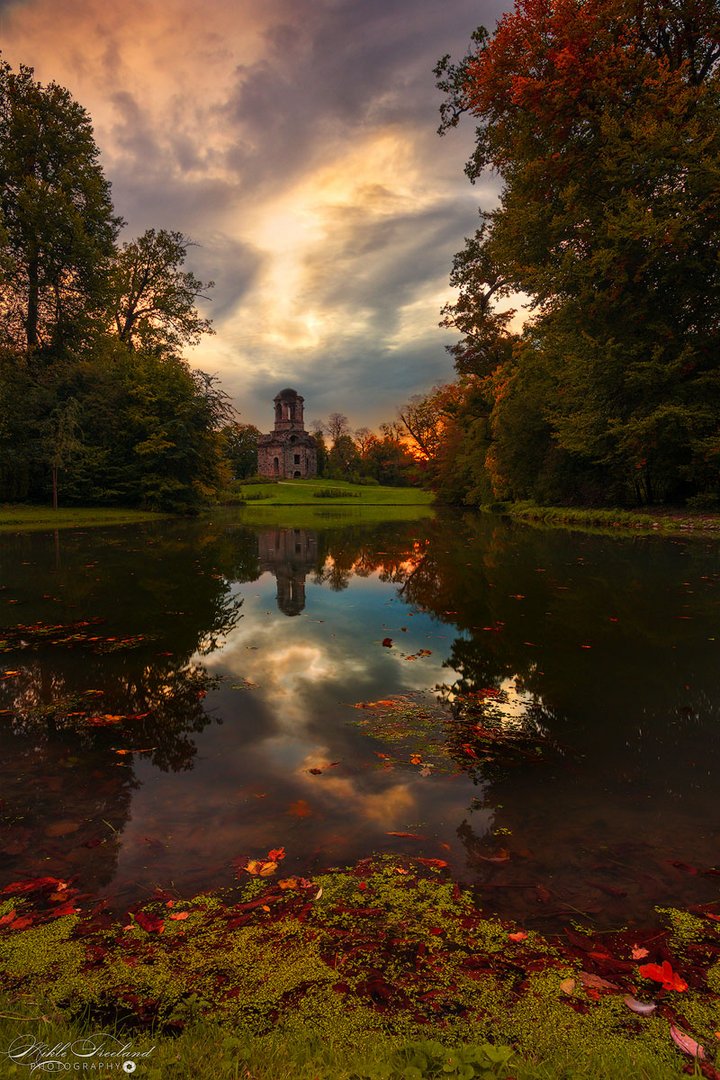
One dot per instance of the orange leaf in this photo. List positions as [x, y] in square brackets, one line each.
[276, 854]
[260, 868]
[663, 974]
[438, 863]
[519, 935]
[178, 915]
[638, 953]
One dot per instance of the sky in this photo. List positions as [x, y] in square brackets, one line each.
[295, 142]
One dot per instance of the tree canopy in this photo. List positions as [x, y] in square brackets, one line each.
[96, 400]
[602, 119]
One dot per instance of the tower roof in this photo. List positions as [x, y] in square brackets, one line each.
[287, 395]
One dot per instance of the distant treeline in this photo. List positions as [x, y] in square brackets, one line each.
[602, 120]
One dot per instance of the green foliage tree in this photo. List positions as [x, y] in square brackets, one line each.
[602, 119]
[240, 446]
[154, 299]
[57, 226]
[92, 386]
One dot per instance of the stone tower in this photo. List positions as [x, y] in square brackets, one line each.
[288, 452]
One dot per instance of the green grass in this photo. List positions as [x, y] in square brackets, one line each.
[304, 492]
[654, 520]
[14, 518]
[295, 504]
[206, 1049]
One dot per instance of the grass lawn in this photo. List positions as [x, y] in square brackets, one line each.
[296, 504]
[651, 520]
[14, 518]
[305, 492]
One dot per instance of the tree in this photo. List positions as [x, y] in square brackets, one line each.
[343, 462]
[602, 118]
[154, 299]
[57, 227]
[336, 426]
[320, 447]
[424, 418]
[240, 446]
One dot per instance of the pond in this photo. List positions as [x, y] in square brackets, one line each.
[537, 709]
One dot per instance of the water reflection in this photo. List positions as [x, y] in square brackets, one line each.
[289, 554]
[544, 708]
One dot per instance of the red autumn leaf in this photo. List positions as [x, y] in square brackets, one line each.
[664, 974]
[439, 863]
[63, 909]
[8, 918]
[300, 809]
[519, 935]
[406, 835]
[177, 916]
[30, 886]
[638, 953]
[151, 924]
[276, 854]
[22, 923]
[387, 642]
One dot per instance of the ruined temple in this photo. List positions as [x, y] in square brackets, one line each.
[288, 452]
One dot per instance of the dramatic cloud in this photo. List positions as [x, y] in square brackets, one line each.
[295, 142]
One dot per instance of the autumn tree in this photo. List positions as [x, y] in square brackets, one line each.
[423, 419]
[602, 118]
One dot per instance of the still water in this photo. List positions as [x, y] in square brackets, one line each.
[538, 709]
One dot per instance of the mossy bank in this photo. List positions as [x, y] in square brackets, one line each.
[373, 972]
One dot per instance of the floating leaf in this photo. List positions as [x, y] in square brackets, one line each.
[568, 986]
[406, 835]
[643, 1008]
[638, 953]
[151, 924]
[387, 642]
[687, 1044]
[260, 867]
[663, 974]
[177, 916]
[437, 863]
[518, 935]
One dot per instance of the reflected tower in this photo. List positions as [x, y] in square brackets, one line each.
[289, 554]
